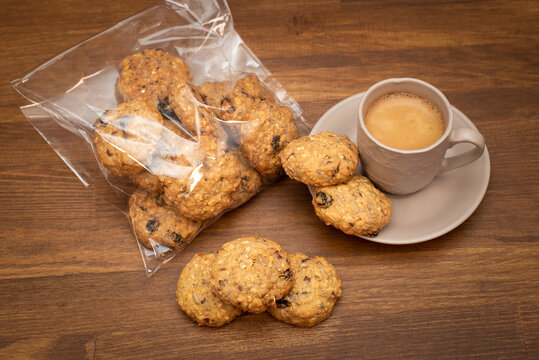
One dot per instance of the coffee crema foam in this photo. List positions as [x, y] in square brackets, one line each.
[404, 121]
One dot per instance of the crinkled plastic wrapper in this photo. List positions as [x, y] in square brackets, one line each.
[168, 116]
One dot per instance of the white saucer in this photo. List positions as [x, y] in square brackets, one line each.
[437, 209]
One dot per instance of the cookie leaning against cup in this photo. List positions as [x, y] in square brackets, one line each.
[355, 207]
[196, 297]
[251, 273]
[321, 159]
[315, 290]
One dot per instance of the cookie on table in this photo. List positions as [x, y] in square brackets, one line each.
[154, 222]
[251, 273]
[196, 297]
[355, 207]
[320, 160]
[127, 137]
[315, 290]
[151, 72]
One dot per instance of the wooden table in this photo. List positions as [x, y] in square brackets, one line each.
[72, 284]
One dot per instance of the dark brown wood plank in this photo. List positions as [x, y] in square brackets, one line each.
[71, 279]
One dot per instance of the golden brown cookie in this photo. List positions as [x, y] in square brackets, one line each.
[315, 290]
[152, 72]
[237, 103]
[176, 155]
[250, 183]
[213, 93]
[355, 207]
[269, 128]
[127, 137]
[320, 160]
[196, 297]
[154, 222]
[209, 189]
[261, 127]
[193, 114]
[251, 273]
[215, 181]
[147, 181]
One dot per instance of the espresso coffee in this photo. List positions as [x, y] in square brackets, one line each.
[404, 121]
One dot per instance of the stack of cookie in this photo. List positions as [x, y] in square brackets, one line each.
[349, 202]
[193, 152]
[255, 275]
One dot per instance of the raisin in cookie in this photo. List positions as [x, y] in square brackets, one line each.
[320, 160]
[152, 72]
[154, 222]
[251, 273]
[127, 137]
[355, 207]
[196, 297]
[315, 290]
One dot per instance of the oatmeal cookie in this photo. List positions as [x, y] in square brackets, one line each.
[193, 114]
[152, 72]
[212, 186]
[154, 222]
[147, 181]
[176, 142]
[320, 160]
[209, 189]
[259, 125]
[250, 181]
[355, 207]
[269, 128]
[238, 102]
[213, 93]
[176, 155]
[251, 273]
[315, 290]
[126, 138]
[196, 297]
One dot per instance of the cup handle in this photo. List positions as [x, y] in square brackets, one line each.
[459, 136]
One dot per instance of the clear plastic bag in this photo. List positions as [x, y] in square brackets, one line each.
[168, 116]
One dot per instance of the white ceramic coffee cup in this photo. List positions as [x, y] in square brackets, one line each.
[407, 171]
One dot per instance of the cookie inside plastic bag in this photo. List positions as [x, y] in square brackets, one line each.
[168, 116]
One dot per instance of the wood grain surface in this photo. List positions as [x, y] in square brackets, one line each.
[72, 283]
